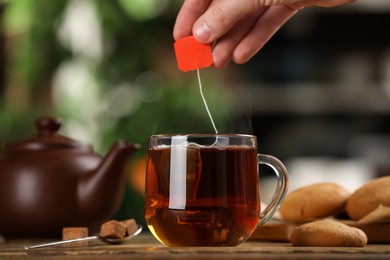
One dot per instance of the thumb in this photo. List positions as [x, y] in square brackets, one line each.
[220, 17]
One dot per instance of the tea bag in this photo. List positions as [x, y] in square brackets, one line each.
[185, 170]
[186, 164]
[194, 170]
[191, 55]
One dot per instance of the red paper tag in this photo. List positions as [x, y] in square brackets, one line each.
[192, 55]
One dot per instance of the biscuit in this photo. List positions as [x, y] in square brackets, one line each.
[314, 201]
[328, 233]
[369, 197]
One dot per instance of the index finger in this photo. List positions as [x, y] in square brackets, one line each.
[190, 11]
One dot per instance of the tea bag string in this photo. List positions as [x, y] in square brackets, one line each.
[205, 103]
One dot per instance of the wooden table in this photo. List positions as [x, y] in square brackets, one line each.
[146, 247]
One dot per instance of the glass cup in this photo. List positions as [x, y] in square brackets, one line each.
[203, 190]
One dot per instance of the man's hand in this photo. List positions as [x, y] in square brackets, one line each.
[241, 27]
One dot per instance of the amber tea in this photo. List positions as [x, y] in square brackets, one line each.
[220, 206]
[203, 193]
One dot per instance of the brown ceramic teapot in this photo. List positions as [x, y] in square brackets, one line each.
[51, 181]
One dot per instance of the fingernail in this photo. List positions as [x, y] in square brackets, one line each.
[202, 32]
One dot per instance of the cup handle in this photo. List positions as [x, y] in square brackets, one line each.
[281, 189]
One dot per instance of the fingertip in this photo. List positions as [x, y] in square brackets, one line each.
[221, 64]
[222, 55]
[240, 57]
[202, 32]
[181, 31]
[176, 35]
[188, 15]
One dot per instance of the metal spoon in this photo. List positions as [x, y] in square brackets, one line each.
[90, 238]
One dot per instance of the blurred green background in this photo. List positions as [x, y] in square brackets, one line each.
[108, 69]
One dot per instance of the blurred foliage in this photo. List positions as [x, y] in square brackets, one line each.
[33, 51]
[122, 84]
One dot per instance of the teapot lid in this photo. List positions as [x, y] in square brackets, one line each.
[48, 138]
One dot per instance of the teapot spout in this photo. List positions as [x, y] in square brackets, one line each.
[100, 191]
